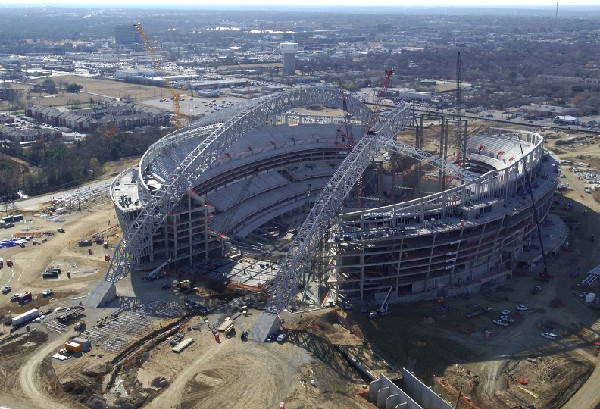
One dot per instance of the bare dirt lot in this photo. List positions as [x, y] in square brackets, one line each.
[443, 347]
[94, 89]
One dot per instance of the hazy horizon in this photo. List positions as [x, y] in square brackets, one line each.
[395, 4]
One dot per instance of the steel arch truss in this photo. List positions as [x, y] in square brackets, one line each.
[327, 205]
[415, 153]
[258, 112]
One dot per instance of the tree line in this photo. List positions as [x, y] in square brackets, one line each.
[56, 165]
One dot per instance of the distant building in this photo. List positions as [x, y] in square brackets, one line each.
[124, 116]
[566, 120]
[127, 36]
[533, 111]
[28, 134]
[289, 57]
[407, 94]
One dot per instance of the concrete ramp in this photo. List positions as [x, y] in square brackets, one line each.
[103, 293]
[266, 323]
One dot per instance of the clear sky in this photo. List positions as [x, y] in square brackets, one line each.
[310, 3]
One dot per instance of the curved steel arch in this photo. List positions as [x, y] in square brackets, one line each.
[332, 196]
[327, 205]
[138, 234]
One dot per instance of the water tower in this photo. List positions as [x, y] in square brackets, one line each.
[289, 57]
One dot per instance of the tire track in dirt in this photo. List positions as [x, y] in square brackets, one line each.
[31, 383]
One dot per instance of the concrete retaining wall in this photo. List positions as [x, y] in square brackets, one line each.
[387, 395]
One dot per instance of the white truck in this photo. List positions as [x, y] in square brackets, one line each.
[25, 317]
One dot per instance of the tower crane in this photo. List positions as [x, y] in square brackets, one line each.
[163, 74]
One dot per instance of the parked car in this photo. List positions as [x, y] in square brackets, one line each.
[501, 323]
[60, 230]
[6, 289]
[15, 297]
[505, 312]
[47, 293]
[522, 307]
[506, 318]
[549, 335]
[281, 337]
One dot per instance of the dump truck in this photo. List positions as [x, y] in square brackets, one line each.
[230, 331]
[25, 298]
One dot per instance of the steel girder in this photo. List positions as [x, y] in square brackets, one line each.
[327, 205]
[138, 235]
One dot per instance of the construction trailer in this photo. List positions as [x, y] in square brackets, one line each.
[73, 347]
[26, 317]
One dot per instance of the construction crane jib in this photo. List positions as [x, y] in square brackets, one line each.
[174, 94]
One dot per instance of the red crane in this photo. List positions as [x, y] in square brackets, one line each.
[384, 83]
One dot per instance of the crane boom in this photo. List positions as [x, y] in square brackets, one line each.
[163, 74]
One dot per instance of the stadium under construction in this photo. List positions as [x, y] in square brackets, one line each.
[321, 197]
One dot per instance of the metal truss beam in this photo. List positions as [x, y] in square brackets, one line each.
[329, 202]
[327, 205]
[415, 153]
[137, 236]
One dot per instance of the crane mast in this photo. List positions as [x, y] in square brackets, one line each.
[163, 74]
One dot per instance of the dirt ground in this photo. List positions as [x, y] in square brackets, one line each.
[94, 89]
[444, 348]
[231, 373]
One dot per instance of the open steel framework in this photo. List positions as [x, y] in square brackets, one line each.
[255, 114]
[326, 207]
[219, 137]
